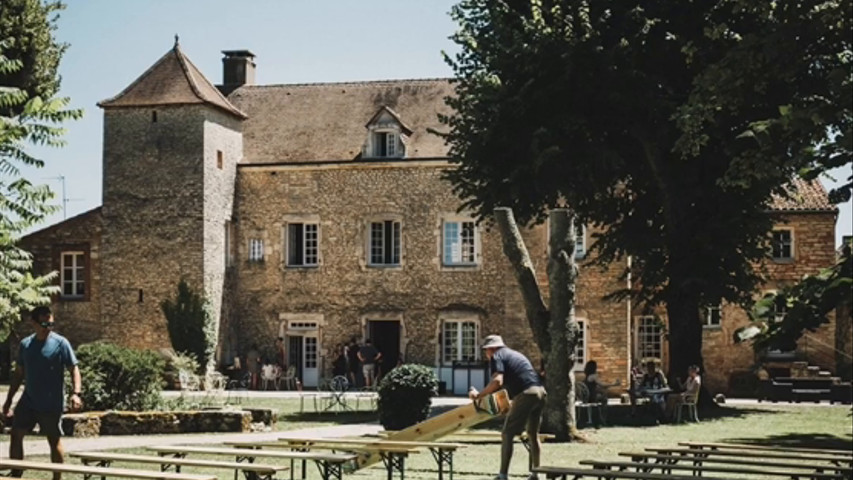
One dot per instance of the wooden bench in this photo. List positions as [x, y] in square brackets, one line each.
[769, 448]
[393, 455]
[88, 471]
[812, 458]
[442, 452]
[756, 462]
[699, 470]
[571, 473]
[495, 437]
[330, 464]
[252, 471]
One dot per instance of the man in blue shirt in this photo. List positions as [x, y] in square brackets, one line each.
[513, 371]
[43, 358]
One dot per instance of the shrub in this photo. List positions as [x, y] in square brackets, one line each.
[190, 324]
[119, 378]
[405, 396]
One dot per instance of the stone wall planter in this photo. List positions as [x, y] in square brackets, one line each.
[93, 424]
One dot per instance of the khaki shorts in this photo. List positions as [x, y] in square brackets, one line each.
[525, 412]
[25, 418]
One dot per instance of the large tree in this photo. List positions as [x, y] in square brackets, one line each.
[30, 115]
[614, 109]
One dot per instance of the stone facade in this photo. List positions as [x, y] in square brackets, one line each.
[286, 216]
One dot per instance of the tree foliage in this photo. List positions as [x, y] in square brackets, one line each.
[190, 324]
[29, 115]
[29, 27]
[670, 124]
[780, 319]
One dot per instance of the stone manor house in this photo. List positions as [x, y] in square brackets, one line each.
[317, 212]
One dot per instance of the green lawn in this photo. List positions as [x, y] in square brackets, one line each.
[802, 425]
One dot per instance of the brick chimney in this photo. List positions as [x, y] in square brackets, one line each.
[238, 69]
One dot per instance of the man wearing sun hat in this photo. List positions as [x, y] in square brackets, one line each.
[513, 371]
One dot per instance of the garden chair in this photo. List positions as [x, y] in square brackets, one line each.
[189, 381]
[689, 403]
[270, 374]
[238, 388]
[582, 402]
[289, 378]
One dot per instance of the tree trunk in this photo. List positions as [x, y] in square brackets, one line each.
[685, 339]
[559, 417]
[554, 329]
[516, 253]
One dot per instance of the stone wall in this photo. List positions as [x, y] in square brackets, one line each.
[78, 319]
[154, 215]
[343, 291]
[813, 240]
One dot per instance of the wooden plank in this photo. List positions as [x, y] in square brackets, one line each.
[365, 441]
[324, 457]
[184, 462]
[781, 456]
[100, 471]
[771, 448]
[795, 464]
[707, 468]
[448, 422]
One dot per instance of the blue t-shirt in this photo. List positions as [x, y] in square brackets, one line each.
[518, 372]
[45, 363]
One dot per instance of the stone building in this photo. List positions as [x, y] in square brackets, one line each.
[318, 213]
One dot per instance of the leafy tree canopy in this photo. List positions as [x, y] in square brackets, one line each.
[669, 123]
[28, 26]
[26, 119]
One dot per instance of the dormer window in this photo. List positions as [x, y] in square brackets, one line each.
[386, 136]
[385, 144]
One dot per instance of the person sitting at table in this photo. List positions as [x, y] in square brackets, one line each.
[596, 388]
[689, 391]
[653, 382]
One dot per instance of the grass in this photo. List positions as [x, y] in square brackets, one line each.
[794, 425]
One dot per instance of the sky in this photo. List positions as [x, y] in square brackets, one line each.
[112, 42]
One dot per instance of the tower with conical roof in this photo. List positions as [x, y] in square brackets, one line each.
[171, 147]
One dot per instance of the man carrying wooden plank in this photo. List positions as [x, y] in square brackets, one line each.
[513, 371]
[43, 358]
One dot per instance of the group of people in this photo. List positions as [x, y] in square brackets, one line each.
[361, 364]
[255, 363]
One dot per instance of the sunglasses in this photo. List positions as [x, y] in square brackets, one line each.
[47, 324]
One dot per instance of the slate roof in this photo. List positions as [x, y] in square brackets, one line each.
[326, 121]
[172, 80]
[802, 196]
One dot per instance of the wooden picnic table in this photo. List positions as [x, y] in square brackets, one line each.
[89, 471]
[330, 464]
[393, 456]
[754, 461]
[573, 473]
[252, 471]
[741, 454]
[442, 452]
[699, 470]
[769, 448]
[495, 437]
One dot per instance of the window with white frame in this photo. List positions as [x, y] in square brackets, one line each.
[580, 241]
[73, 268]
[580, 346]
[303, 244]
[385, 144]
[459, 245]
[649, 338]
[713, 316]
[459, 341]
[782, 244]
[256, 250]
[384, 243]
